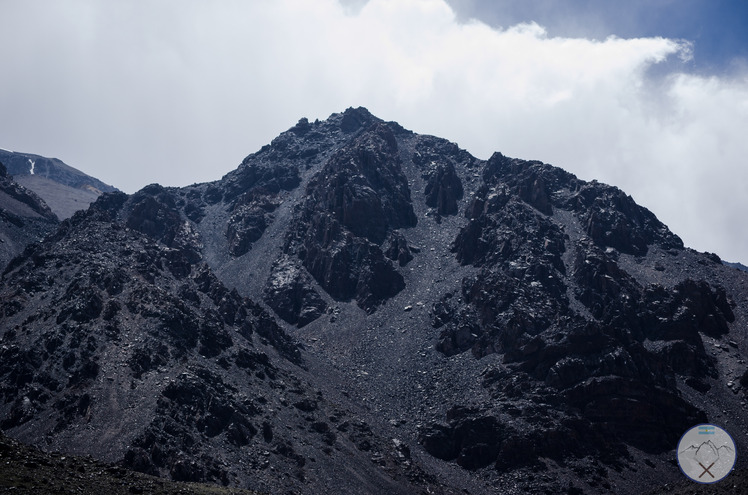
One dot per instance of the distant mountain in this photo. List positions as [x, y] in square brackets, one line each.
[739, 266]
[24, 218]
[361, 309]
[64, 188]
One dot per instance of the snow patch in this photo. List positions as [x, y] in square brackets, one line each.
[32, 166]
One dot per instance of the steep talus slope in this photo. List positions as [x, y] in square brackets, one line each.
[24, 218]
[494, 326]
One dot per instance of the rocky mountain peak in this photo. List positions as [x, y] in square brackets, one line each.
[354, 119]
[358, 298]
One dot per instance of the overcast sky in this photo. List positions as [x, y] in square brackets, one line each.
[647, 95]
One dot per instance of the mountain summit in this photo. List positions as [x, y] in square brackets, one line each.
[359, 308]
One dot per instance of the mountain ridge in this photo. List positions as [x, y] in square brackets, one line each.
[64, 188]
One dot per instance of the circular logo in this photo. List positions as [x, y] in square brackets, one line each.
[706, 453]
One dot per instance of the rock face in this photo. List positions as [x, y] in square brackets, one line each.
[359, 196]
[253, 193]
[443, 188]
[356, 298]
[611, 364]
[289, 292]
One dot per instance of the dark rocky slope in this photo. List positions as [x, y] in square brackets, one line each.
[25, 470]
[513, 328]
[119, 343]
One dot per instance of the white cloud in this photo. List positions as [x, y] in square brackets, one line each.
[180, 91]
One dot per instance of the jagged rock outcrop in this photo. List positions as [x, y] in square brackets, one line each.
[398, 248]
[437, 159]
[253, 194]
[155, 211]
[359, 196]
[443, 190]
[291, 295]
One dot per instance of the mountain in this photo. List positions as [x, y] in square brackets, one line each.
[24, 217]
[64, 188]
[361, 309]
[739, 266]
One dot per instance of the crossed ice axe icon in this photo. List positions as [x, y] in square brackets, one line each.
[706, 469]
